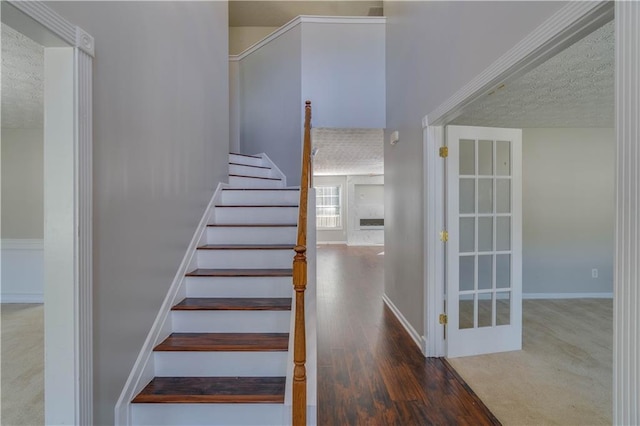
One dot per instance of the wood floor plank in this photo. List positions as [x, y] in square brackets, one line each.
[230, 342]
[370, 370]
[213, 390]
[234, 304]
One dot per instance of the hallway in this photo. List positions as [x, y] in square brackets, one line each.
[370, 372]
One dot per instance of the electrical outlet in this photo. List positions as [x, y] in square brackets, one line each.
[594, 273]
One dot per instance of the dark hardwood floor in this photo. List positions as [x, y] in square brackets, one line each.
[370, 372]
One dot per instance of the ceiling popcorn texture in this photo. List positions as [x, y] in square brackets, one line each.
[348, 151]
[573, 89]
[22, 81]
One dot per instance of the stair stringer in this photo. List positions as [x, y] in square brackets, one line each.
[143, 369]
[267, 161]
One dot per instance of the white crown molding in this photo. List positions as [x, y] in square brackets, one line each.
[569, 24]
[307, 19]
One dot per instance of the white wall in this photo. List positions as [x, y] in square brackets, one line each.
[343, 74]
[366, 201]
[357, 202]
[161, 132]
[271, 103]
[240, 38]
[432, 50]
[22, 183]
[338, 235]
[568, 210]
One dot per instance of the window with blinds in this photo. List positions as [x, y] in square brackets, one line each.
[328, 207]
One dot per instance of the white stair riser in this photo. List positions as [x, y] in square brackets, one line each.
[239, 286]
[243, 159]
[230, 321]
[220, 364]
[255, 215]
[208, 414]
[251, 235]
[249, 182]
[235, 169]
[245, 259]
[260, 197]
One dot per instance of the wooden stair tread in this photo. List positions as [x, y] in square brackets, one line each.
[234, 304]
[231, 163]
[261, 189]
[246, 155]
[240, 273]
[213, 390]
[249, 205]
[254, 177]
[254, 225]
[230, 342]
[247, 247]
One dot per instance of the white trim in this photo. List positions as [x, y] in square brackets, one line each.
[143, 369]
[434, 249]
[23, 298]
[626, 306]
[571, 23]
[275, 167]
[22, 244]
[415, 336]
[26, 13]
[537, 296]
[365, 245]
[344, 243]
[306, 19]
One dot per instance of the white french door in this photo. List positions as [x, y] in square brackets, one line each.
[484, 250]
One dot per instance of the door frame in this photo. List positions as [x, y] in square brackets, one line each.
[568, 25]
[68, 310]
[571, 23]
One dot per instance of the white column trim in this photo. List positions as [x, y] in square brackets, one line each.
[626, 335]
[434, 249]
[83, 43]
[571, 23]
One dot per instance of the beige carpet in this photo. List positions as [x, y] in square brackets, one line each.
[563, 375]
[22, 364]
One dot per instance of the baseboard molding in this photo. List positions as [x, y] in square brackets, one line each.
[415, 336]
[22, 298]
[343, 243]
[534, 296]
[275, 167]
[142, 371]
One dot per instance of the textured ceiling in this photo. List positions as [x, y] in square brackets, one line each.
[573, 89]
[266, 13]
[22, 81]
[348, 151]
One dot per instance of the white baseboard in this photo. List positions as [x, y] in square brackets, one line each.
[276, 168]
[142, 371]
[533, 296]
[419, 341]
[22, 244]
[343, 243]
[22, 298]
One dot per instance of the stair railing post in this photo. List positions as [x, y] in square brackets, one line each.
[299, 405]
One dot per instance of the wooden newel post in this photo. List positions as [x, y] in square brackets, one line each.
[300, 340]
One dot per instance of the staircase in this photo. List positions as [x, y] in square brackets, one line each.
[225, 361]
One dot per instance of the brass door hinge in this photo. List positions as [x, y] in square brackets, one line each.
[444, 236]
[444, 151]
[443, 319]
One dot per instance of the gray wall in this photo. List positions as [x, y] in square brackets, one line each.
[161, 132]
[22, 183]
[271, 103]
[343, 74]
[433, 49]
[568, 210]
